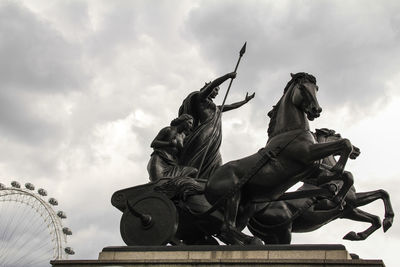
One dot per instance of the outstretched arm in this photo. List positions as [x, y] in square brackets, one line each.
[217, 82]
[238, 104]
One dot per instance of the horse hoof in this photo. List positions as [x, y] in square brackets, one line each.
[352, 236]
[229, 239]
[387, 223]
[254, 241]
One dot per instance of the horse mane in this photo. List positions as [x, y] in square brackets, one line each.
[325, 132]
[296, 78]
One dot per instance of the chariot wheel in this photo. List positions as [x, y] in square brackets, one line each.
[150, 220]
[31, 231]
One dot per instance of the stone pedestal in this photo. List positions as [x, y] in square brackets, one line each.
[212, 256]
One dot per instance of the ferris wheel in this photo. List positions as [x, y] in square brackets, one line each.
[31, 231]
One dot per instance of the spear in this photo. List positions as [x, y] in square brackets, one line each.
[241, 53]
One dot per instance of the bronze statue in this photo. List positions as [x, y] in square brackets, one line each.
[289, 157]
[274, 222]
[167, 146]
[207, 127]
[192, 199]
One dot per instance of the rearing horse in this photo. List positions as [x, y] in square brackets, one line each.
[288, 157]
[274, 222]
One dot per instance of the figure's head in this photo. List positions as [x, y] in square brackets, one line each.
[305, 94]
[214, 92]
[185, 121]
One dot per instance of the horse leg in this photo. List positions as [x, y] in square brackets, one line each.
[272, 235]
[229, 232]
[318, 151]
[286, 235]
[246, 211]
[365, 198]
[232, 208]
[348, 182]
[281, 236]
[273, 223]
[362, 216]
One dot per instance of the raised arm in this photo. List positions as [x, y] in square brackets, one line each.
[217, 82]
[238, 104]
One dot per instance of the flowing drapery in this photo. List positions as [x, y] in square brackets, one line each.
[195, 145]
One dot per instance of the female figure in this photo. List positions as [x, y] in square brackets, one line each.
[167, 145]
[207, 127]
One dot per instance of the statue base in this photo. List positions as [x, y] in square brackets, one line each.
[271, 255]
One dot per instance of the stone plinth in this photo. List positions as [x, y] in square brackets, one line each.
[272, 256]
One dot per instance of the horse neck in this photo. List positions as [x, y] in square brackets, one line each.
[289, 117]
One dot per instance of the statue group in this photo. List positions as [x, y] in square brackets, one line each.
[192, 198]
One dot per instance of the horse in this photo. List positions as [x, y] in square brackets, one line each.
[276, 221]
[289, 156]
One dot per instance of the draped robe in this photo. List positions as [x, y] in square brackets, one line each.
[195, 144]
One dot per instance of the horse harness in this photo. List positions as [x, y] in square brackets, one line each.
[267, 156]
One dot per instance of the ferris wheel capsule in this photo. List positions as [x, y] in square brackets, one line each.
[69, 251]
[42, 192]
[67, 231]
[15, 184]
[61, 214]
[29, 186]
[53, 201]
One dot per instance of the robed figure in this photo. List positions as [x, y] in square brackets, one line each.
[206, 128]
[167, 145]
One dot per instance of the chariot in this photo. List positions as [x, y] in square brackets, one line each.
[155, 215]
[153, 218]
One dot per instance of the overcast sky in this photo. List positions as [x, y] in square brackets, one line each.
[86, 85]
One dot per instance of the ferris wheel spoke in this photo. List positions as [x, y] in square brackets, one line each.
[24, 224]
[25, 248]
[40, 259]
[32, 254]
[9, 218]
[26, 258]
[14, 224]
[25, 233]
[39, 227]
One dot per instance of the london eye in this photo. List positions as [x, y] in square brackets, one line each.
[31, 229]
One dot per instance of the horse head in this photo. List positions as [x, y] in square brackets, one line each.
[304, 94]
[325, 135]
[299, 99]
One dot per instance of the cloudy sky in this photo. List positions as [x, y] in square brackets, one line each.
[86, 85]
